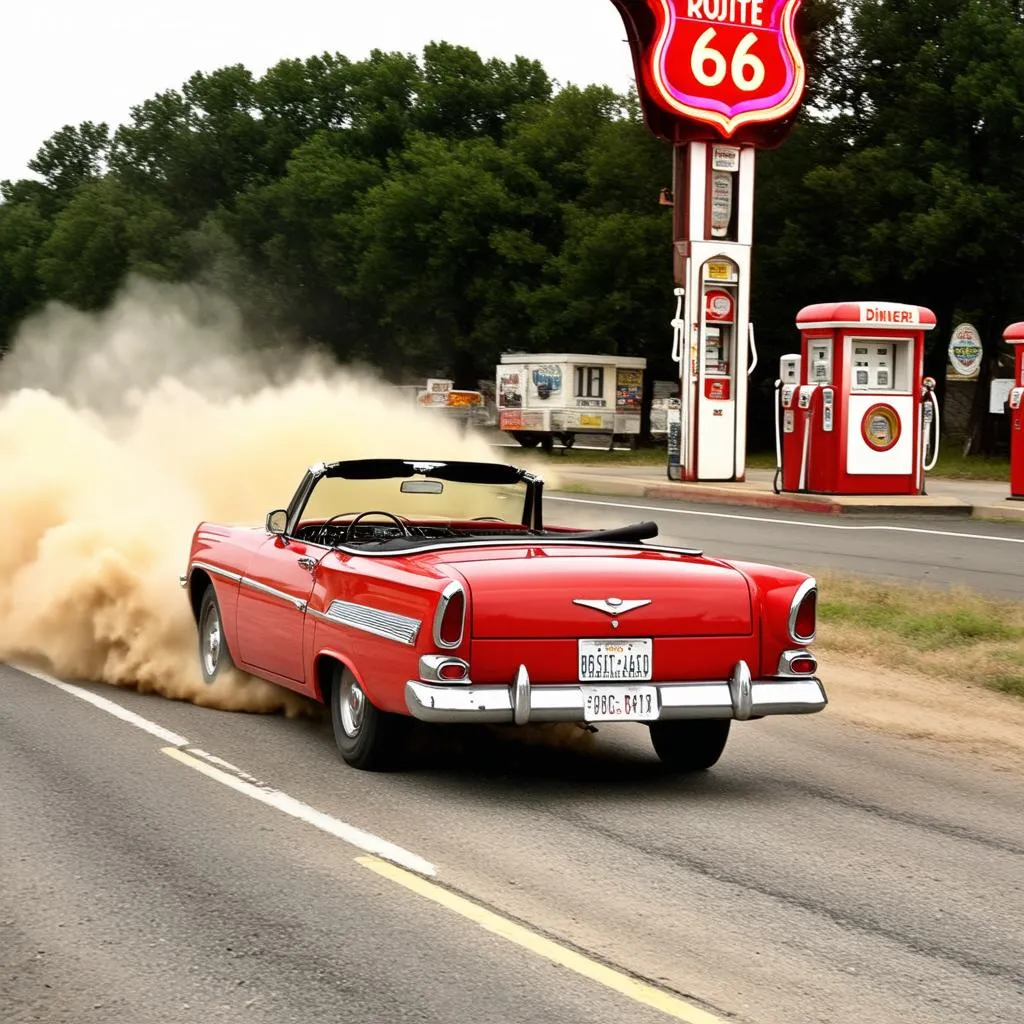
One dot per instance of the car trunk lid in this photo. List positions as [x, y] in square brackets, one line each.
[552, 592]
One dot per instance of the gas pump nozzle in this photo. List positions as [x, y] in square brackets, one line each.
[678, 325]
[930, 411]
[777, 481]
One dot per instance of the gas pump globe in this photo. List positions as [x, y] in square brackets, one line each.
[863, 419]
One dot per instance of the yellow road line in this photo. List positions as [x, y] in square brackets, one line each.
[540, 945]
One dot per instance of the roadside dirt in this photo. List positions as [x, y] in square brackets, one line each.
[951, 717]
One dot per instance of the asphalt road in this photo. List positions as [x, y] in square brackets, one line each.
[936, 550]
[818, 875]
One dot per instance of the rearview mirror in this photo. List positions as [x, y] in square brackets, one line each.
[277, 522]
[422, 487]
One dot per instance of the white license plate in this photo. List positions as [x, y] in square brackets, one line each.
[615, 661]
[620, 703]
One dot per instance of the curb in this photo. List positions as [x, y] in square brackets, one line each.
[817, 504]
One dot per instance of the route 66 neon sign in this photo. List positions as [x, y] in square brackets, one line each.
[723, 63]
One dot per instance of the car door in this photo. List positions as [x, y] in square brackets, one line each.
[272, 603]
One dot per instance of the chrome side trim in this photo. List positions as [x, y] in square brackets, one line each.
[786, 664]
[450, 591]
[801, 592]
[389, 625]
[296, 602]
[529, 542]
[215, 571]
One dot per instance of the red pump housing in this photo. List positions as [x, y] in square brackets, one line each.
[1014, 335]
[857, 414]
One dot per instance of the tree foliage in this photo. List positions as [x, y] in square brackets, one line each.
[426, 213]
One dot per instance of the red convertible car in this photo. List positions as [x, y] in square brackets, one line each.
[454, 602]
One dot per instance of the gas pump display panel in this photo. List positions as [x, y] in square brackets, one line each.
[880, 436]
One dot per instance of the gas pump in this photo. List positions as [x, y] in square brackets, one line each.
[713, 340]
[1014, 335]
[858, 412]
[785, 416]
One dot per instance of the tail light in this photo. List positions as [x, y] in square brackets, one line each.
[803, 613]
[450, 617]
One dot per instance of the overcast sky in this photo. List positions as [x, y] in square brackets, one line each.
[68, 61]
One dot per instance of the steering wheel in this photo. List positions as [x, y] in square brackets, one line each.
[321, 530]
[487, 519]
[376, 512]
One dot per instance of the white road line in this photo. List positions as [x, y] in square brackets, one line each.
[790, 522]
[229, 775]
[109, 706]
[286, 804]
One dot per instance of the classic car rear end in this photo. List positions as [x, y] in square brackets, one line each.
[559, 633]
[387, 617]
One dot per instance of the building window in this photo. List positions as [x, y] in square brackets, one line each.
[590, 382]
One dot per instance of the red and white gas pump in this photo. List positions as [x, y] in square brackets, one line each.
[713, 339]
[859, 419]
[1014, 335]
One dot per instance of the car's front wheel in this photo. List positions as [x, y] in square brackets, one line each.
[214, 656]
[690, 744]
[366, 737]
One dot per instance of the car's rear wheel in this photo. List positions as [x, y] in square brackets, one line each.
[214, 656]
[366, 737]
[690, 744]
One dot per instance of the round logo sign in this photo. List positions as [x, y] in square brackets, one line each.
[881, 428]
[718, 306]
[965, 351]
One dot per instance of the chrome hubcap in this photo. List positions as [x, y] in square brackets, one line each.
[352, 705]
[211, 641]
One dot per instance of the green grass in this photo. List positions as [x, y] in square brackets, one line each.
[921, 628]
[955, 466]
[954, 634]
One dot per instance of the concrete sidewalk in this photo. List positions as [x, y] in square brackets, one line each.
[979, 499]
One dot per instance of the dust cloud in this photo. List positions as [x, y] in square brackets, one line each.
[119, 432]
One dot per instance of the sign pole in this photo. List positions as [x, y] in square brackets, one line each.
[718, 81]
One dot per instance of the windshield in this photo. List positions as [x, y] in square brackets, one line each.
[440, 500]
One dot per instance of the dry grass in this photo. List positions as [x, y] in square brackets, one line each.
[953, 634]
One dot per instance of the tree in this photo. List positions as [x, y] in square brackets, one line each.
[462, 96]
[24, 227]
[439, 241]
[72, 157]
[103, 233]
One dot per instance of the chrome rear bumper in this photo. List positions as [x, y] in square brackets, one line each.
[739, 697]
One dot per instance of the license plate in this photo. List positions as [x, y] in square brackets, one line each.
[620, 703]
[615, 661]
